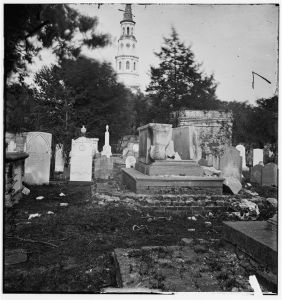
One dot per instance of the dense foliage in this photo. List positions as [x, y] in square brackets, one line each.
[178, 83]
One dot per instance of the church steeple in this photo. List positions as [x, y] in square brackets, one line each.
[127, 59]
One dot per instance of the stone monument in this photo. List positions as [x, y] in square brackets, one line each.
[82, 152]
[107, 150]
[157, 155]
[242, 150]
[160, 167]
[37, 165]
[257, 156]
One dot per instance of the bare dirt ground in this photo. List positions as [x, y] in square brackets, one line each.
[69, 248]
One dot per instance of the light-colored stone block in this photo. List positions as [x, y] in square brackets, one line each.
[257, 156]
[37, 165]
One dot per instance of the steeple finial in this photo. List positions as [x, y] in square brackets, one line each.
[127, 15]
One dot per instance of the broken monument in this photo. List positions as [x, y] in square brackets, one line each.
[159, 165]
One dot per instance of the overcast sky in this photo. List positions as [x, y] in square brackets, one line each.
[230, 40]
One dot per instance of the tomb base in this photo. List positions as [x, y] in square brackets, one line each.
[170, 167]
[150, 184]
[257, 238]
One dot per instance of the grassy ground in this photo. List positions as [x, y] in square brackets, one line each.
[70, 250]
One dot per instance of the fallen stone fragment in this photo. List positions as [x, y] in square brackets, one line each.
[210, 171]
[208, 224]
[249, 205]
[39, 198]
[272, 201]
[191, 229]
[64, 204]
[185, 241]
[26, 191]
[251, 193]
[37, 215]
[50, 213]
[233, 184]
[15, 256]
[62, 195]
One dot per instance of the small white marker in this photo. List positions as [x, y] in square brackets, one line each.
[255, 285]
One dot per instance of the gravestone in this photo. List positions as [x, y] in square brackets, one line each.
[242, 150]
[59, 159]
[107, 150]
[82, 152]
[269, 174]
[230, 163]
[256, 174]
[130, 162]
[257, 156]
[37, 165]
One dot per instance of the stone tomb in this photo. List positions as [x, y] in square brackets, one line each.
[269, 174]
[154, 142]
[186, 142]
[256, 238]
[158, 168]
[37, 165]
[82, 152]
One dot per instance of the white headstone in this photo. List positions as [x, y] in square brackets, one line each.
[130, 162]
[37, 165]
[107, 150]
[59, 159]
[257, 156]
[82, 150]
[242, 150]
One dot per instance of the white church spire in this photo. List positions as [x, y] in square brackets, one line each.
[127, 59]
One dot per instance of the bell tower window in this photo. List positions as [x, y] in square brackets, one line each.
[134, 66]
[119, 65]
[127, 65]
[127, 30]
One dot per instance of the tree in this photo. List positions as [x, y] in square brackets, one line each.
[83, 92]
[30, 27]
[177, 83]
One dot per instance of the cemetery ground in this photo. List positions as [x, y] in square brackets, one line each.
[69, 247]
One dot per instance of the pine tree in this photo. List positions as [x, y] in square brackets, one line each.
[177, 83]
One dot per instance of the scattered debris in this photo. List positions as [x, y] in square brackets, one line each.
[62, 195]
[208, 224]
[89, 271]
[37, 215]
[248, 184]
[186, 241]
[64, 204]
[251, 206]
[192, 218]
[251, 193]
[26, 191]
[141, 227]
[211, 171]
[39, 198]
[272, 201]
[50, 213]
[191, 229]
